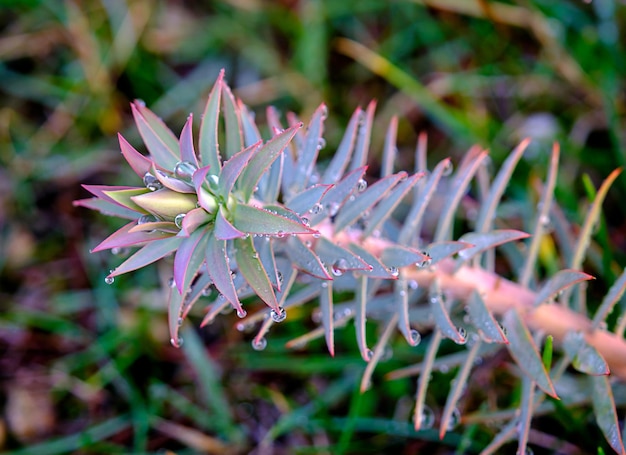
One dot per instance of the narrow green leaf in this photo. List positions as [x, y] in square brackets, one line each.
[402, 256]
[263, 159]
[326, 305]
[233, 167]
[139, 163]
[187, 149]
[560, 281]
[441, 250]
[424, 379]
[334, 198]
[159, 139]
[107, 208]
[401, 300]
[362, 145]
[313, 143]
[254, 220]
[441, 315]
[123, 237]
[307, 199]
[189, 258]
[148, 254]
[342, 157]
[339, 258]
[585, 357]
[379, 349]
[523, 350]
[208, 142]
[265, 251]
[232, 122]
[376, 269]
[124, 198]
[390, 149]
[546, 356]
[360, 317]
[253, 271]
[482, 241]
[615, 293]
[305, 259]
[174, 312]
[483, 320]
[606, 414]
[219, 270]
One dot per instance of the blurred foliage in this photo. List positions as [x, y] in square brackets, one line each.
[87, 368]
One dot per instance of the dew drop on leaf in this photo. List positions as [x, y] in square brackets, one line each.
[369, 355]
[455, 418]
[242, 313]
[317, 208]
[415, 336]
[178, 221]
[427, 419]
[179, 322]
[109, 280]
[259, 344]
[361, 185]
[393, 271]
[176, 342]
[305, 221]
[184, 170]
[339, 267]
[463, 334]
[279, 316]
[321, 143]
[143, 219]
[151, 182]
[280, 234]
[447, 170]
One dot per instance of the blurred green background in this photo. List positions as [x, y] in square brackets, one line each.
[87, 368]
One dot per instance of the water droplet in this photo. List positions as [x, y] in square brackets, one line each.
[280, 277]
[317, 235]
[425, 262]
[427, 418]
[393, 271]
[176, 342]
[279, 316]
[109, 280]
[178, 220]
[179, 322]
[321, 143]
[306, 221]
[324, 112]
[171, 282]
[241, 313]
[143, 219]
[151, 182]
[259, 344]
[369, 355]
[317, 208]
[361, 185]
[447, 169]
[214, 182]
[413, 284]
[339, 267]
[280, 234]
[184, 170]
[463, 334]
[455, 418]
[415, 337]
[333, 208]
[402, 176]
[255, 255]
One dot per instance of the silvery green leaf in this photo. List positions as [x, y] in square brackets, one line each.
[263, 159]
[523, 350]
[189, 258]
[441, 250]
[265, 251]
[341, 158]
[611, 298]
[307, 199]
[310, 150]
[585, 358]
[148, 254]
[159, 139]
[482, 241]
[604, 409]
[253, 271]
[208, 142]
[401, 256]
[340, 259]
[360, 317]
[328, 321]
[232, 122]
[376, 268]
[219, 270]
[361, 148]
[198, 288]
[174, 312]
[224, 230]
[364, 201]
[441, 315]
[386, 207]
[255, 220]
[558, 282]
[390, 149]
[251, 134]
[305, 259]
[337, 194]
[233, 167]
[401, 298]
[187, 149]
[483, 320]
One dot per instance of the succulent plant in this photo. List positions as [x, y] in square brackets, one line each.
[262, 220]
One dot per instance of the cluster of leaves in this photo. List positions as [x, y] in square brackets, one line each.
[251, 220]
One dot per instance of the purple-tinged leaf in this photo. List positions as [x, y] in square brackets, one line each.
[208, 142]
[233, 167]
[263, 159]
[337, 194]
[187, 149]
[125, 198]
[328, 321]
[340, 160]
[125, 237]
[165, 203]
[390, 149]
[214, 309]
[200, 176]
[232, 121]
[339, 258]
[481, 318]
[194, 219]
[224, 230]
[163, 226]
[360, 316]
[254, 220]
[313, 143]
[559, 281]
[159, 139]
[386, 207]
[101, 190]
[525, 352]
[361, 148]
[253, 271]
[585, 357]
[401, 300]
[365, 201]
[376, 268]
[305, 259]
[307, 199]
[604, 409]
[173, 184]
[298, 140]
[189, 258]
[174, 313]
[107, 208]
[610, 299]
[198, 289]
[139, 163]
[148, 254]
[401, 256]
[482, 241]
[441, 250]
[441, 315]
[265, 250]
[251, 134]
[219, 270]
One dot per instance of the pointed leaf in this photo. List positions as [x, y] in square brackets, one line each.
[254, 220]
[312, 145]
[307, 199]
[401, 298]
[483, 241]
[198, 289]
[139, 163]
[376, 269]
[174, 312]
[337, 194]
[305, 259]
[361, 148]
[232, 121]
[606, 414]
[224, 230]
[187, 149]
[252, 269]
[208, 143]
[561, 280]
[441, 250]
[360, 317]
[610, 299]
[159, 139]
[328, 322]
[125, 198]
[189, 258]
[340, 258]
[523, 350]
[194, 219]
[123, 238]
[390, 149]
[265, 251]
[219, 270]
[148, 254]
[150, 226]
[402, 256]
[365, 201]
[251, 133]
[585, 357]
[483, 320]
[172, 183]
[263, 159]
[107, 208]
[342, 157]
[233, 167]
[441, 316]
[164, 203]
